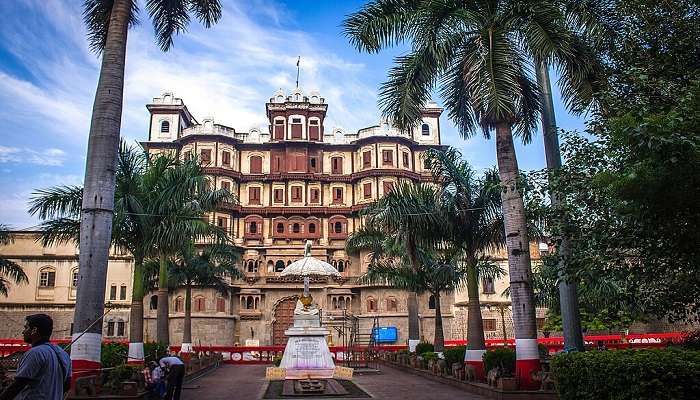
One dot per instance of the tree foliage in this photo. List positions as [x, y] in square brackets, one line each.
[631, 191]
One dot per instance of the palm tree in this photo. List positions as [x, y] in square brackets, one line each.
[473, 214]
[108, 24]
[181, 198]
[482, 54]
[407, 217]
[10, 271]
[588, 19]
[145, 192]
[209, 266]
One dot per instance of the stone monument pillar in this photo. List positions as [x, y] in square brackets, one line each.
[307, 355]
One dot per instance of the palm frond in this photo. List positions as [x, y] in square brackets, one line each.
[96, 16]
[5, 235]
[169, 18]
[380, 24]
[208, 12]
[60, 231]
[58, 201]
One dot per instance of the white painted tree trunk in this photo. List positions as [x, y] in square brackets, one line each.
[518, 247]
[98, 197]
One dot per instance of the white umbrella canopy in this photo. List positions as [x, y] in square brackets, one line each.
[309, 266]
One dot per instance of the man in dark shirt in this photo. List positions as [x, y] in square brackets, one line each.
[45, 370]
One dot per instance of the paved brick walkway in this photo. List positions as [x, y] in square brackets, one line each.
[247, 382]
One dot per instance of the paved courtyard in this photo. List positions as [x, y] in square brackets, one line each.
[233, 382]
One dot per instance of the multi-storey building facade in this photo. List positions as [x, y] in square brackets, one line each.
[298, 181]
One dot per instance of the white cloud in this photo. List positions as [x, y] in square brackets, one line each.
[15, 202]
[47, 157]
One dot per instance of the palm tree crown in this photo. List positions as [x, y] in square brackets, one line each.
[481, 53]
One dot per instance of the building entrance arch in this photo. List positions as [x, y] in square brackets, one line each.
[283, 319]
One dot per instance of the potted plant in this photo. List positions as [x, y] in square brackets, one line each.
[502, 360]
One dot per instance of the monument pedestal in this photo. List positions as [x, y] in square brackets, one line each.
[307, 355]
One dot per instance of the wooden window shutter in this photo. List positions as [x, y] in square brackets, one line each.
[226, 158]
[367, 189]
[367, 159]
[279, 195]
[256, 165]
[387, 157]
[388, 187]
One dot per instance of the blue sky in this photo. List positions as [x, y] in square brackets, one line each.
[48, 78]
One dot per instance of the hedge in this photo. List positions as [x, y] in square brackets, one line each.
[657, 374]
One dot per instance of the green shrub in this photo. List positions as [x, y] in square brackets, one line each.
[113, 354]
[692, 341]
[119, 374]
[154, 351]
[423, 347]
[429, 355]
[628, 374]
[454, 355]
[503, 358]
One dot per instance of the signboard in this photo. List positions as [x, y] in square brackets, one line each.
[385, 334]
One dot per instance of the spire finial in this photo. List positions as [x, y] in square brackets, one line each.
[298, 61]
[307, 249]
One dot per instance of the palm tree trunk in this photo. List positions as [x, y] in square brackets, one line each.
[136, 355]
[187, 328]
[162, 320]
[518, 246]
[568, 293]
[439, 342]
[476, 345]
[412, 300]
[98, 196]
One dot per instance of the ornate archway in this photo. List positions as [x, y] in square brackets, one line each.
[283, 319]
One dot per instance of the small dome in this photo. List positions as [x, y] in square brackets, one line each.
[278, 96]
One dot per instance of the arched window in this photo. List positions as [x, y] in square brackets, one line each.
[425, 129]
[296, 228]
[338, 227]
[153, 303]
[252, 266]
[256, 165]
[220, 304]
[74, 278]
[312, 228]
[47, 277]
[341, 303]
[341, 266]
[371, 304]
[391, 304]
[179, 304]
[335, 303]
[280, 227]
[121, 328]
[253, 227]
[165, 127]
[279, 266]
[200, 304]
[250, 303]
[431, 302]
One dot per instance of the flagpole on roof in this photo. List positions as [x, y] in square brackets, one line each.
[298, 60]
